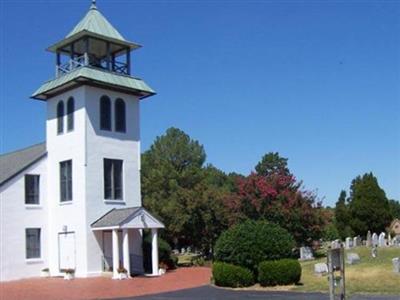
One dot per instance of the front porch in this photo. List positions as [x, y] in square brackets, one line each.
[121, 223]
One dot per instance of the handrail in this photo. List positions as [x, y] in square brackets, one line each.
[91, 60]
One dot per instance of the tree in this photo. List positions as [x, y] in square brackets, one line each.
[394, 209]
[183, 193]
[272, 163]
[342, 216]
[279, 199]
[369, 207]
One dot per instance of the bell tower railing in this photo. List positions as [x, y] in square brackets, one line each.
[109, 64]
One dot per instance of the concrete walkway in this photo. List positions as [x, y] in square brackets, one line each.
[213, 293]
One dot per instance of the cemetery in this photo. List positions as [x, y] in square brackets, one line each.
[364, 273]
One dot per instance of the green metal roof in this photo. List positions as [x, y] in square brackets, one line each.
[96, 25]
[92, 75]
[95, 22]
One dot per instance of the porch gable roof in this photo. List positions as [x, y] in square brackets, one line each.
[130, 217]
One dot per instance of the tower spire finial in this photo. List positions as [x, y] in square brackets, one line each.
[93, 6]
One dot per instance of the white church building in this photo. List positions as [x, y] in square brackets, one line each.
[74, 202]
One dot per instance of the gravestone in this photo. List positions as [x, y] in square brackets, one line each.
[396, 264]
[349, 243]
[381, 240]
[369, 239]
[374, 239]
[374, 251]
[353, 258]
[320, 269]
[389, 241]
[357, 241]
[396, 241]
[306, 253]
[182, 250]
[335, 244]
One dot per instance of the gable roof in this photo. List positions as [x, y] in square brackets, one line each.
[11, 164]
[123, 216]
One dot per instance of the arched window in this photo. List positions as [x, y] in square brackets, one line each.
[60, 117]
[105, 113]
[120, 118]
[70, 113]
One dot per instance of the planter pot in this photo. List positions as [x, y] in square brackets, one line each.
[122, 276]
[68, 276]
[44, 274]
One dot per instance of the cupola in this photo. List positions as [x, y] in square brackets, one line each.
[93, 53]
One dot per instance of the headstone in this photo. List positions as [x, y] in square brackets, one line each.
[320, 268]
[182, 250]
[357, 241]
[349, 243]
[369, 239]
[353, 258]
[396, 241]
[382, 241]
[374, 239]
[374, 251]
[389, 241]
[175, 251]
[188, 250]
[396, 264]
[306, 253]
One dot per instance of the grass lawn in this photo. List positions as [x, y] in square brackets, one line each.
[369, 276]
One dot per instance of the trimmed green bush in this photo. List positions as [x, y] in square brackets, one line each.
[250, 243]
[279, 272]
[231, 276]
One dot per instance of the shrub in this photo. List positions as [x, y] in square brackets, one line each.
[250, 243]
[231, 276]
[280, 272]
[164, 253]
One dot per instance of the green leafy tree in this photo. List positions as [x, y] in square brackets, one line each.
[369, 207]
[183, 193]
[272, 163]
[343, 216]
[394, 209]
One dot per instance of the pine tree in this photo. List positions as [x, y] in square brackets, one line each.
[369, 207]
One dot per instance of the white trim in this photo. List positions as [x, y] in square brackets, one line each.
[105, 228]
[37, 260]
[33, 206]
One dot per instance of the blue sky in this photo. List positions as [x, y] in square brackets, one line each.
[317, 81]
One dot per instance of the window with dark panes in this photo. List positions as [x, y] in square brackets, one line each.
[113, 182]
[120, 116]
[66, 180]
[60, 117]
[70, 114]
[105, 113]
[32, 189]
[32, 237]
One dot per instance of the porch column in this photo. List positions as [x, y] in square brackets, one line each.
[125, 247]
[154, 251]
[115, 252]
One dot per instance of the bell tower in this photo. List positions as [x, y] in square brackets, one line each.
[92, 140]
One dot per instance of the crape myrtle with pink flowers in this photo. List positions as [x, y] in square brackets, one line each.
[197, 202]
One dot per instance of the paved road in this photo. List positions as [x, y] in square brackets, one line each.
[213, 293]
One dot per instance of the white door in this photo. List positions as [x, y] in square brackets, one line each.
[66, 244]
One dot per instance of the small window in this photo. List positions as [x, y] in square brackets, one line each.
[105, 113]
[32, 237]
[113, 179]
[120, 116]
[70, 114]
[66, 181]
[60, 117]
[32, 189]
